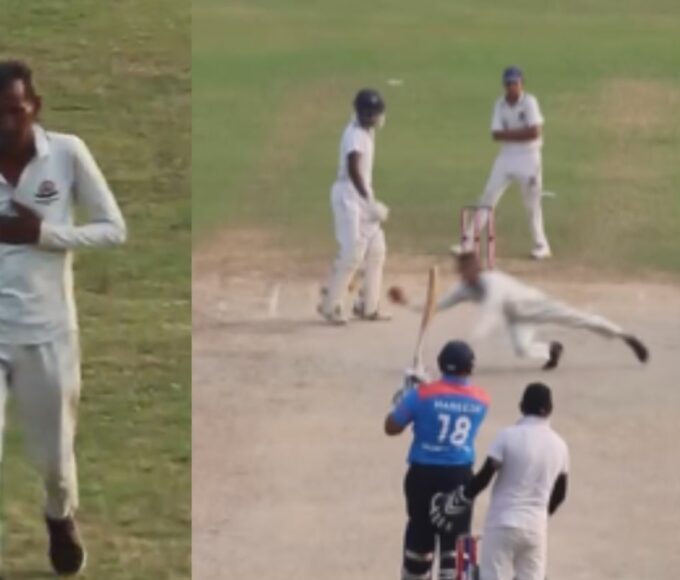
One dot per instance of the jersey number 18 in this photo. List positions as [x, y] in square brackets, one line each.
[459, 434]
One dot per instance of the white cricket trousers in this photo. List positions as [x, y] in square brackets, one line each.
[513, 554]
[522, 317]
[525, 169]
[361, 244]
[44, 380]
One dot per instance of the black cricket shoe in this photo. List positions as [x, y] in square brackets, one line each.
[67, 553]
[556, 350]
[637, 347]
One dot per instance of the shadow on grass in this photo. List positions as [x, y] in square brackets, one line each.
[30, 575]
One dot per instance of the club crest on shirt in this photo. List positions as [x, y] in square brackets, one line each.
[522, 116]
[47, 192]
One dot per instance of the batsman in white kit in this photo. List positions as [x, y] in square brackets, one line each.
[530, 462]
[517, 124]
[522, 308]
[43, 177]
[358, 217]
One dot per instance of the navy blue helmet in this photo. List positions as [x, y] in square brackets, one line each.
[456, 358]
[368, 103]
[512, 74]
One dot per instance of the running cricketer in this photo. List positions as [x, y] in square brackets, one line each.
[43, 177]
[522, 308]
[517, 124]
[358, 216]
[530, 462]
[446, 416]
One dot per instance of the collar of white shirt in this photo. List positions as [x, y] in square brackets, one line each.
[533, 420]
[42, 143]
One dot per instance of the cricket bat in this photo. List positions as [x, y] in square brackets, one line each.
[428, 313]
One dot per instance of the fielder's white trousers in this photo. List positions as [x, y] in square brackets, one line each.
[523, 316]
[514, 554]
[44, 379]
[361, 245]
[525, 169]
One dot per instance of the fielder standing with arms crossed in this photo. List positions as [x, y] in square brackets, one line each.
[446, 416]
[43, 177]
[517, 124]
[530, 462]
[358, 216]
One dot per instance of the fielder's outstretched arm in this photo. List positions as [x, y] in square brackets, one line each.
[461, 293]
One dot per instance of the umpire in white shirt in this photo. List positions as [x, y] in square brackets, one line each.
[530, 462]
[44, 176]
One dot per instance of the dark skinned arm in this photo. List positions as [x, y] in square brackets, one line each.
[482, 479]
[518, 135]
[392, 427]
[355, 174]
[559, 493]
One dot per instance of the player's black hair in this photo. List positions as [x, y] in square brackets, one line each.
[537, 400]
[16, 70]
[467, 257]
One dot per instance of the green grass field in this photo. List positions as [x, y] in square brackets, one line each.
[272, 83]
[118, 74]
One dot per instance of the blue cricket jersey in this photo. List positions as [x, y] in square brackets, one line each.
[446, 417]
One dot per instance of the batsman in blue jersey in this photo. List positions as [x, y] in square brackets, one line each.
[446, 416]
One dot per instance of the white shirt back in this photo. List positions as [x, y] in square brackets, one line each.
[523, 114]
[356, 138]
[36, 293]
[532, 456]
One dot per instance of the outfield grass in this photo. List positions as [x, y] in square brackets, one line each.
[118, 74]
[272, 82]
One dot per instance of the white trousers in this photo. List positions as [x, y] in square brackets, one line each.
[523, 317]
[361, 245]
[514, 554]
[44, 379]
[526, 170]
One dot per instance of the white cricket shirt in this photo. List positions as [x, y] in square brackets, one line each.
[532, 456]
[36, 281]
[356, 138]
[523, 114]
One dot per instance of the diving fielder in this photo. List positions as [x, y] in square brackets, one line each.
[358, 216]
[446, 416]
[517, 124]
[43, 177]
[530, 462]
[522, 308]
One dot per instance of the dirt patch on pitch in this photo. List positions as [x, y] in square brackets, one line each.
[292, 476]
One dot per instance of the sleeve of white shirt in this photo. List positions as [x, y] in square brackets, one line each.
[358, 141]
[496, 451]
[534, 116]
[105, 226]
[460, 293]
[565, 465]
[496, 119]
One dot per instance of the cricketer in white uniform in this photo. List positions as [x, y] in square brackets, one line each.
[530, 462]
[522, 307]
[358, 216]
[44, 176]
[517, 124]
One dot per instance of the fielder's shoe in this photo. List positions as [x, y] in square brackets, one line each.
[541, 253]
[556, 350]
[456, 249]
[638, 348]
[67, 553]
[377, 316]
[336, 317]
